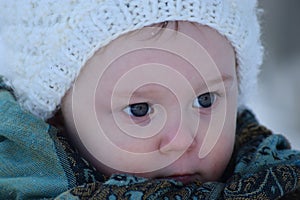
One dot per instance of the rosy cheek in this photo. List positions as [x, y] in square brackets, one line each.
[220, 155]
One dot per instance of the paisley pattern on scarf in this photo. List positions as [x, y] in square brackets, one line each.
[262, 167]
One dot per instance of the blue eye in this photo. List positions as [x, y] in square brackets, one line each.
[138, 109]
[205, 100]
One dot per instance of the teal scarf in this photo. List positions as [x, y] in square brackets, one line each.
[37, 162]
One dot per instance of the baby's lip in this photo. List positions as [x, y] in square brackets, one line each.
[184, 178]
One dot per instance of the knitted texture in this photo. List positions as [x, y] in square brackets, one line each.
[48, 42]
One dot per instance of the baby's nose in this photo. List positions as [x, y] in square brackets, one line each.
[180, 139]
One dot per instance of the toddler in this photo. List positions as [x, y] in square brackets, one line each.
[136, 100]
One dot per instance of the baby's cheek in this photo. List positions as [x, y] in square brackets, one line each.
[138, 146]
[219, 158]
[224, 153]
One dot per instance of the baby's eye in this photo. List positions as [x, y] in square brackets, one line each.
[205, 100]
[138, 109]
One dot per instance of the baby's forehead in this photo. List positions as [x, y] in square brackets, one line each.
[156, 76]
[158, 63]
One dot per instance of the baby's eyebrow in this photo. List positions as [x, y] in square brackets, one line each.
[139, 93]
[223, 79]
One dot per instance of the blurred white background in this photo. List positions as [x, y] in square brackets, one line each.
[277, 104]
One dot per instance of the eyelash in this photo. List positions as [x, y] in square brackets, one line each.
[129, 109]
[144, 105]
[211, 95]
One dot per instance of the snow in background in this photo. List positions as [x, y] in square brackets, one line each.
[277, 103]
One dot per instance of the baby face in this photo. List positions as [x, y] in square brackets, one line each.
[158, 104]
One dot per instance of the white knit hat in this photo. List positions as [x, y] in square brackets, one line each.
[47, 42]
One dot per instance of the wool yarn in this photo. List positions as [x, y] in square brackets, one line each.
[46, 43]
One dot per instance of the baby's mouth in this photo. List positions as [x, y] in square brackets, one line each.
[184, 178]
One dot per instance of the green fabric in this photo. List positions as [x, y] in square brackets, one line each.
[30, 166]
[37, 162]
